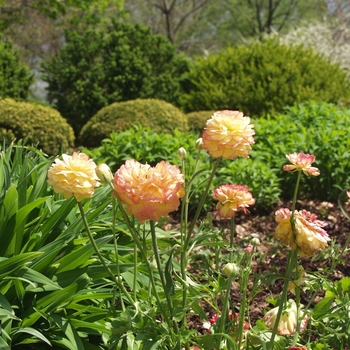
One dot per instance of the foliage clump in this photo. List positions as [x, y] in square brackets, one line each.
[263, 77]
[37, 124]
[198, 119]
[320, 129]
[15, 77]
[118, 63]
[157, 114]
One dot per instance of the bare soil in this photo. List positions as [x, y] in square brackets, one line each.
[274, 254]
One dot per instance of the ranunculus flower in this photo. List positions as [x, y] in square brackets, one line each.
[302, 162]
[310, 235]
[149, 193]
[74, 175]
[228, 134]
[288, 320]
[232, 198]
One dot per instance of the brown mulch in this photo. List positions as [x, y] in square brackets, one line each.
[273, 254]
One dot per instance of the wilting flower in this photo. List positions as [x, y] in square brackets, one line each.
[298, 282]
[288, 321]
[232, 198]
[149, 192]
[302, 162]
[74, 175]
[228, 134]
[104, 173]
[310, 237]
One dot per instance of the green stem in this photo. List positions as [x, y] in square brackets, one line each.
[93, 243]
[116, 250]
[292, 255]
[159, 267]
[224, 312]
[232, 236]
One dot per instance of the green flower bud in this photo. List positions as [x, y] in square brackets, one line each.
[182, 153]
[231, 270]
[104, 173]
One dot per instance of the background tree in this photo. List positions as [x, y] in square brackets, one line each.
[217, 24]
[121, 62]
[15, 77]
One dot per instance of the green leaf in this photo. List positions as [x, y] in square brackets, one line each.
[69, 331]
[323, 307]
[8, 265]
[33, 332]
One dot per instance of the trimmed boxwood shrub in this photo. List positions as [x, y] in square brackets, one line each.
[119, 62]
[15, 77]
[37, 124]
[197, 120]
[156, 114]
[263, 77]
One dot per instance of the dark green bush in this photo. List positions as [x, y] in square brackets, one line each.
[197, 120]
[15, 77]
[263, 77]
[36, 124]
[321, 129]
[118, 63]
[159, 115]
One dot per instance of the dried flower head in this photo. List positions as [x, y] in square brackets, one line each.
[288, 320]
[302, 162]
[310, 237]
[228, 134]
[149, 192]
[232, 198]
[74, 175]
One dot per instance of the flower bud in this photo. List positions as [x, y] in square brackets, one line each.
[231, 270]
[255, 242]
[104, 173]
[199, 144]
[181, 153]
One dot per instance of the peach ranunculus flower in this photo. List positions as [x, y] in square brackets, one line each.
[302, 162]
[310, 235]
[228, 134]
[288, 322]
[232, 198]
[149, 192]
[74, 175]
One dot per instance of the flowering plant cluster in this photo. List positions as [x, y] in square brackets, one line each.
[148, 194]
[99, 264]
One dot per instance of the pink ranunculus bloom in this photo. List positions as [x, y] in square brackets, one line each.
[149, 193]
[310, 235]
[302, 162]
[228, 134]
[288, 322]
[348, 193]
[232, 198]
[74, 175]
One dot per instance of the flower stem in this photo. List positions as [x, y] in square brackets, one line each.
[232, 236]
[94, 245]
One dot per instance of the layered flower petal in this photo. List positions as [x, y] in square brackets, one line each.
[310, 236]
[288, 320]
[74, 175]
[228, 134]
[149, 192]
[232, 198]
[302, 162]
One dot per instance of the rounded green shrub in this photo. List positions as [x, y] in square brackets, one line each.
[37, 124]
[15, 77]
[263, 77]
[156, 114]
[119, 62]
[198, 119]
